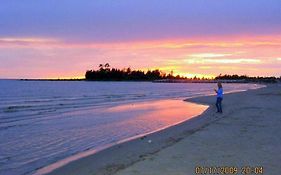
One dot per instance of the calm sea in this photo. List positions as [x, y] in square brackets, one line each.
[42, 122]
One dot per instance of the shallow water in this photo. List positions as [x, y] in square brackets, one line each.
[42, 122]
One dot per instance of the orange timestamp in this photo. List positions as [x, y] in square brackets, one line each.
[245, 170]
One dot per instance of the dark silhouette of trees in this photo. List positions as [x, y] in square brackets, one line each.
[106, 73]
[247, 78]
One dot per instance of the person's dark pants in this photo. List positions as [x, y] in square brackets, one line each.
[218, 104]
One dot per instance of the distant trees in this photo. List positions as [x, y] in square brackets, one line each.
[105, 72]
[231, 77]
[247, 78]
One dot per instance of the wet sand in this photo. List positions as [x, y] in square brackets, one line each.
[246, 134]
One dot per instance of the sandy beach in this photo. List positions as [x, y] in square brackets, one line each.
[247, 134]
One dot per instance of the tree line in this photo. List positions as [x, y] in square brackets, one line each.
[106, 73]
[246, 78]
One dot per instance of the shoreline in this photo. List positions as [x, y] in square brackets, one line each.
[112, 159]
[72, 126]
[212, 81]
[198, 109]
[244, 140]
[178, 104]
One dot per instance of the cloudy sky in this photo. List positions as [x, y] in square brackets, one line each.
[59, 39]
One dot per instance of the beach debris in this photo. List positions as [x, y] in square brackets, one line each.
[143, 137]
[149, 141]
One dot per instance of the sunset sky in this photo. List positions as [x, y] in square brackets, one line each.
[64, 38]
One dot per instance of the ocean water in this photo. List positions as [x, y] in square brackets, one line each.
[42, 122]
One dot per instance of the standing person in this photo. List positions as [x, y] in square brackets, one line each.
[219, 92]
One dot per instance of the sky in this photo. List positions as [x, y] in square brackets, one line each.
[63, 39]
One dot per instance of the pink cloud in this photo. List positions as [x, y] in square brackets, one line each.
[53, 58]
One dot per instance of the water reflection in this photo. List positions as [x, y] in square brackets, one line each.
[126, 122]
[160, 112]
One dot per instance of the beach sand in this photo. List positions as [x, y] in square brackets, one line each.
[248, 133]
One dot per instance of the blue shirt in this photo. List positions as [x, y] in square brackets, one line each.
[220, 93]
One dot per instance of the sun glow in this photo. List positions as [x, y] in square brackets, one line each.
[193, 75]
[55, 58]
[66, 77]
